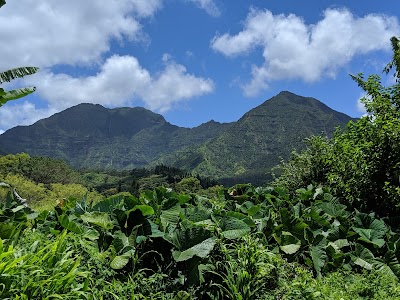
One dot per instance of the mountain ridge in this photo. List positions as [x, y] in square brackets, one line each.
[91, 136]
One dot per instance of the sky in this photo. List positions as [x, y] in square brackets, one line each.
[191, 60]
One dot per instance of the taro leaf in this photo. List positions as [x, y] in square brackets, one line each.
[318, 191]
[136, 220]
[252, 211]
[121, 261]
[321, 220]
[334, 210]
[109, 204]
[393, 262]
[339, 244]
[171, 216]
[120, 242]
[68, 222]
[32, 216]
[197, 214]
[6, 230]
[155, 231]
[291, 223]
[121, 217]
[130, 202]
[242, 217]
[201, 250]
[91, 234]
[169, 202]
[233, 228]
[289, 244]
[249, 208]
[183, 198]
[318, 256]
[18, 208]
[374, 233]
[101, 219]
[145, 209]
[362, 257]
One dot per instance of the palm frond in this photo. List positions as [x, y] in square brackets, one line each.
[15, 94]
[11, 74]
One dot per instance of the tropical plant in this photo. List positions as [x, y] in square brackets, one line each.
[361, 163]
[7, 76]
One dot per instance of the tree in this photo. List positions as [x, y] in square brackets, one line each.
[361, 163]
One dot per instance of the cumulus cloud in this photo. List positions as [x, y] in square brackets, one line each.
[25, 113]
[208, 5]
[293, 49]
[45, 33]
[120, 81]
[79, 33]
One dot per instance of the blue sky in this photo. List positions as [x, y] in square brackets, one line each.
[191, 60]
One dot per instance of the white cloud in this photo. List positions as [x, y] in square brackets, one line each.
[295, 50]
[45, 33]
[120, 81]
[25, 113]
[208, 5]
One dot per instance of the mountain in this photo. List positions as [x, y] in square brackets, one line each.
[91, 136]
[248, 149]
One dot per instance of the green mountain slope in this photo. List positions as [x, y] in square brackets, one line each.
[91, 136]
[253, 145]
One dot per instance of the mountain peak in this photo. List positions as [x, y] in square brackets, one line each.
[91, 136]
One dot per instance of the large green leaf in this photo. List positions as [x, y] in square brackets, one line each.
[145, 209]
[392, 262]
[289, 244]
[171, 216]
[6, 230]
[334, 209]
[101, 219]
[109, 204]
[362, 257]
[121, 261]
[374, 233]
[7, 76]
[197, 214]
[233, 228]
[15, 94]
[201, 250]
[318, 256]
[69, 223]
[121, 241]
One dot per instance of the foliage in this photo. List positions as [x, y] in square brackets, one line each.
[38, 169]
[361, 164]
[7, 76]
[233, 246]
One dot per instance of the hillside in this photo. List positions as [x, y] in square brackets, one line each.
[91, 136]
[247, 150]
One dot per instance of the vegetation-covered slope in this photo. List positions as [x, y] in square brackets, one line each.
[248, 149]
[91, 136]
